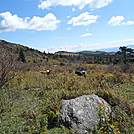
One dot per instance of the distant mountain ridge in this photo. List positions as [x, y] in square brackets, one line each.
[96, 52]
[104, 51]
[114, 49]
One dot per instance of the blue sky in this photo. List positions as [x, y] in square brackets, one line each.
[69, 25]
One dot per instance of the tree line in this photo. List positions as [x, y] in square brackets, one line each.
[124, 55]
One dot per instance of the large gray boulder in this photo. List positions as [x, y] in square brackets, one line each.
[81, 113]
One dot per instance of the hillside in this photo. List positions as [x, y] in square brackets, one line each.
[66, 53]
[30, 53]
[62, 57]
[15, 48]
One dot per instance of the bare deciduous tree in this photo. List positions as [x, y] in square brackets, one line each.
[8, 66]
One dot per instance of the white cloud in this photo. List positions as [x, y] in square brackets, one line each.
[95, 46]
[122, 42]
[77, 3]
[13, 22]
[99, 3]
[83, 19]
[68, 16]
[86, 34]
[73, 9]
[118, 20]
[114, 21]
[128, 23]
[69, 28]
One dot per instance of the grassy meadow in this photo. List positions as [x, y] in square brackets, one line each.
[30, 102]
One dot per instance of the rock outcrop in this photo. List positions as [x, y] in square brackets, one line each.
[81, 113]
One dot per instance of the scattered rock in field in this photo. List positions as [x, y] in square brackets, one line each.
[81, 114]
[36, 89]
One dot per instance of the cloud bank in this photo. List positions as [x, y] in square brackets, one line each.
[95, 46]
[13, 22]
[77, 3]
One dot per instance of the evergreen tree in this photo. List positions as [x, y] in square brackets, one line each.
[21, 56]
[125, 52]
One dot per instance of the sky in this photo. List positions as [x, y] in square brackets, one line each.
[67, 25]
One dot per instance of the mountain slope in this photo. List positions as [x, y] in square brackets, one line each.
[15, 48]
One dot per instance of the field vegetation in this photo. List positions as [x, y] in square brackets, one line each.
[30, 101]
